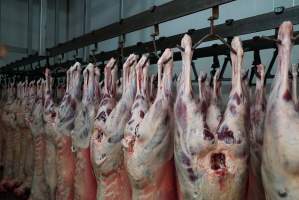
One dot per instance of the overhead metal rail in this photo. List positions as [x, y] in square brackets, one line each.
[230, 28]
[256, 43]
[155, 15]
[23, 62]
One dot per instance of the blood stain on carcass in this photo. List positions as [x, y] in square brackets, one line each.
[141, 114]
[109, 111]
[226, 135]
[208, 135]
[102, 116]
[287, 95]
[237, 98]
[217, 161]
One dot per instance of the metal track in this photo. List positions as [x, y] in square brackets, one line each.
[155, 15]
[248, 25]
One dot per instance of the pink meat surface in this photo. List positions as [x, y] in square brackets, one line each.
[280, 145]
[211, 165]
[106, 150]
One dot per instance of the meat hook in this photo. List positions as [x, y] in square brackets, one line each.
[154, 35]
[213, 34]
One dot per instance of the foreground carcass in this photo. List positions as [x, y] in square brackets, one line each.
[27, 140]
[149, 135]
[85, 182]
[49, 115]
[105, 107]
[257, 119]
[2, 125]
[38, 188]
[66, 115]
[107, 149]
[211, 165]
[24, 131]
[280, 147]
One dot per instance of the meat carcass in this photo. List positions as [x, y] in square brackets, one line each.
[85, 182]
[211, 165]
[107, 152]
[49, 115]
[280, 146]
[24, 189]
[105, 107]
[21, 131]
[257, 119]
[60, 91]
[66, 115]
[26, 162]
[2, 130]
[38, 188]
[8, 118]
[5, 136]
[15, 136]
[139, 109]
[148, 140]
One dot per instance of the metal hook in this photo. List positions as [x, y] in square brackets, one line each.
[92, 57]
[180, 48]
[295, 38]
[154, 35]
[75, 56]
[121, 42]
[212, 34]
[256, 57]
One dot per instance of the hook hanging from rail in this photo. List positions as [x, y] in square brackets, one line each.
[92, 57]
[154, 35]
[121, 44]
[256, 61]
[75, 56]
[295, 38]
[212, 34]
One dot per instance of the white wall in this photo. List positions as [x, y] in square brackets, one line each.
[14, 25]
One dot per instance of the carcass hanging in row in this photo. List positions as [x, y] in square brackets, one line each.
[145, 137]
